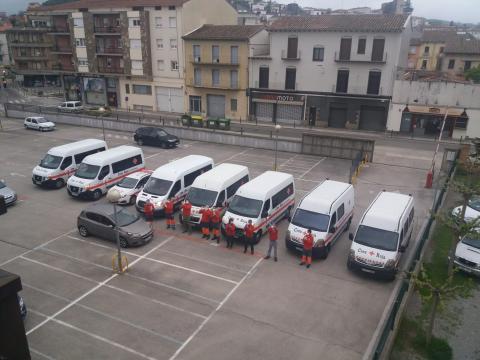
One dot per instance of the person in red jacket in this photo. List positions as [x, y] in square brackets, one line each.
[148, 210]
[186, 213]
[230, 232]
[215, 223]
[307, 249]
[168, 207]
[273, 236]
[249, 236]
[205, 222]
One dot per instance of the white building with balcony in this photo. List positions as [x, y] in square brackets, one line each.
[330, 70]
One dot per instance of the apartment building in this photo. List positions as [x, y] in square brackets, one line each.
[461, 54]
[329, 70]
[120, 53]
[427, 52]
[216, 68]
[4, 54]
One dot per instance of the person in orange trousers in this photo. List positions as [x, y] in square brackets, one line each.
[230, 230]
[186, 213]
[215, 222]
[148, 210]
[249, 236]
[169, 214]
[307, 249]
[205, 222]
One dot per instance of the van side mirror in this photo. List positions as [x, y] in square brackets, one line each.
[402, 248]
[264, 214]
[332, 230]
[350, 237]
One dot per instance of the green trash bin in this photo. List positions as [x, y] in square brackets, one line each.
[212, 123]
[186, 120]
[224, 124]
[197, 120]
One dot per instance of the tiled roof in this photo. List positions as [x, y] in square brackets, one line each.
[437, 36]
[463, 44]
[99, 4]
[224, 32]
[5, 26]
[415, 41]
[344, 23]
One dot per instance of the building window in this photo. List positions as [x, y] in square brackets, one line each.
[127, 88]
[215, 77]
[451, 64]
[318, 53]
[174, 65]
[158, 8]
[413, 50]
[158, 22]
[233, 105]
[135, 44]
[172, 22]
[292, 47]
[134, 22]
[424, 64]
[80, 42]
[234, 54]
[234, 79]
[196, 53]
[82, 62]
[78, 22]
[342, 81]
[197, 77]
[426, 50]
[362, 44]
[196, 104]
[263, 78]
[215, 53]
[442, 48]
[345, 48]
[160, 65]
[159, 43]
[468, 65]
[142, 89]
[374, 78]
[173, 43]
[290, 78]
[137, 65]
[377, 49]
[171, 7]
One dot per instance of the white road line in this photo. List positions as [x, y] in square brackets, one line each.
[40, 353]
[166, 337]
[234, 156]
[100, 245]
[68, 306]
[192, 270]
[313, 167]
[180, 349]
[75, 258]
[35, 248]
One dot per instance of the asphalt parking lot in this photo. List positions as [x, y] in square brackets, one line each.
[184, 297]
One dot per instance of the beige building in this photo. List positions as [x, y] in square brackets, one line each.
[427, 52]
[217, 62]
[461, 55]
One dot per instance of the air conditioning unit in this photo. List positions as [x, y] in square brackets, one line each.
[197, 59]
[217, 61]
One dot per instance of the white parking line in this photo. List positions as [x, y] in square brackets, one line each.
[93, 243]
[313, 167]
[234, 156]
[75, 258]
[40, 353]
[180, 349]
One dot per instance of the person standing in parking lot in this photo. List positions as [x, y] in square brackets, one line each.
[249, 236]
[186, 213]
[215, 222]
[148, 210]
[273, 236]
[169, 214]
[230, 233]
[205, 222]
[307, 249]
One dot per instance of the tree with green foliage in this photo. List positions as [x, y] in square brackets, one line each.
[473, 74]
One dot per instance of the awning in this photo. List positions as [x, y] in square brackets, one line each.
[297, 103]
[435, 110]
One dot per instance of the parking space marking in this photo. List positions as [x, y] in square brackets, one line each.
[313, 167]
[75, 258]
[234, 155]
[100, 245]
[96, 287]
[200, 327]
[40, 353]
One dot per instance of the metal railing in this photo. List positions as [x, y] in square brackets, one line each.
[361, 58]
[287, 56]
[110, 70]
[107, 29]
[109, 50]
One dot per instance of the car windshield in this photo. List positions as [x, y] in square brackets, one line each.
[156, 186]
[127, 183]
[377, 238]
[474, 203]
[2, 185]
[41, 120]
[86, 171]
[471, 241]
[311, 220]
[51, 161]
[245, 207]
[125, 218]
[201, 197]
[161, 133]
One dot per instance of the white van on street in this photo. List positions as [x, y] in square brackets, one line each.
[215, 188]
[327, 211]
[383, 234]
[173, 180]
[62, 161]
[268, 198]
[101, 171]
[70, 106]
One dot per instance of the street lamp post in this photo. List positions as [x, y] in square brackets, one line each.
[101, 109]
[277, 130]
[114, 196]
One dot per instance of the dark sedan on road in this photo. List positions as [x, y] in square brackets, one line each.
[98, 220]
[155, 136]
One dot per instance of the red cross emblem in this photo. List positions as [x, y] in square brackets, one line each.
[371, 253]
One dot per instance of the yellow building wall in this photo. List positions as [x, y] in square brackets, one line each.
[432, 57]
[137, 101]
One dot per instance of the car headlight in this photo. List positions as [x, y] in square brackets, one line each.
[319, 243]
[390, 264]
[159, 204]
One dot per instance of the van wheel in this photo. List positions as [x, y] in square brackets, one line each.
[288, 213]
[258, 236]
[348, 224]
[123, 243]
[59, 183]
[133, 200]
[325, 252]
[349, 265]
[140, 141]
[97, 194]
[163, 145]
[82, 230]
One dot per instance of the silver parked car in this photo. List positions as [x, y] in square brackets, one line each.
[98, 220]
[9, 195]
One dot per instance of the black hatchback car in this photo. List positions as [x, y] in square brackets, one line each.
[155, 136]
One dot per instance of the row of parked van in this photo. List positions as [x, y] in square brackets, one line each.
[384, 231]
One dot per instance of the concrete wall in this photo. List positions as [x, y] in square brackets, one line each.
[5, 59]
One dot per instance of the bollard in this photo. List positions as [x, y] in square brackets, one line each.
[429, 180]
[241, 131]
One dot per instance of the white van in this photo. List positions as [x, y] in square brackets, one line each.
[70, 106]
[327, 211]
[101, 171]
[266, 199]
[215, 188]
[60, 162]
[467, 255]
[383, 234]
[173, 180]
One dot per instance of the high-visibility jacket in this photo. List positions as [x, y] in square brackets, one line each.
[215, 219]
[169, 207]
[230, 229]
[273, 233]
[206, 215]
[308, 241]
[148, 208]
[186, 209]
[249, 230]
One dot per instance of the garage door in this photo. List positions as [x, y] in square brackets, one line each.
[289, 113]
[170, 99]
[264, 111]
[372, 118]
[338, 117]
[216, 105]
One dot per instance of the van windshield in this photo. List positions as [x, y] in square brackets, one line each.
[86, 171]
[51, 161]
[201, 197]
[474, 203]
[125, 218]
[311, 220]
[473, 242]
[156, 186]
[245, 207]
[377, 238]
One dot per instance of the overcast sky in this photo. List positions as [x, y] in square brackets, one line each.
[457, 10]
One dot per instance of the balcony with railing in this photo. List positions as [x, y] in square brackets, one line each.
[63, 67]
[361, 59]
[109, 50]
[110, 69]
[215, 62]
[291, 55]
[62, 49]
[107, 24]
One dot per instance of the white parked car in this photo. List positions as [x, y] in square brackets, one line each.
[71, 106]
[131, 186]
[472, 211]
[38, 123]
[467, 255]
